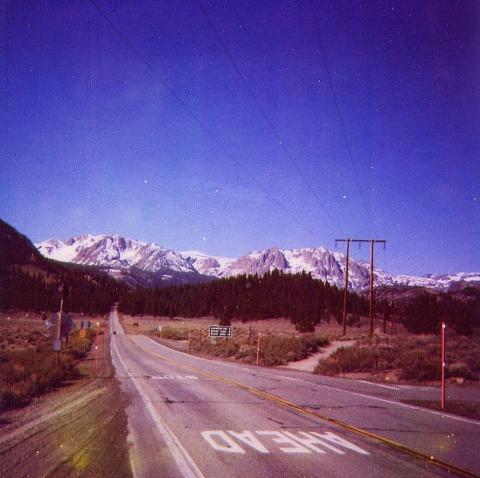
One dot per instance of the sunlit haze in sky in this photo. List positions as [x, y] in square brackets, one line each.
[226, 126]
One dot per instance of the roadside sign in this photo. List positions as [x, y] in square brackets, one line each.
[68, 326]
[57, 345]
[220, 330]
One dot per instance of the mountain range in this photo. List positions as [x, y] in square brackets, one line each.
[138, 262]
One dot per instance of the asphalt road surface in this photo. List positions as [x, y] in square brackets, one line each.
[194, 417]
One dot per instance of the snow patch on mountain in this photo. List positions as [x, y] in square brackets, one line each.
[209, 265]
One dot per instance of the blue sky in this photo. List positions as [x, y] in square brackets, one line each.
[91, 140]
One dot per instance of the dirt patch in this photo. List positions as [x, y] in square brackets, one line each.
[309, 364]
[79, 429]
[462, 408]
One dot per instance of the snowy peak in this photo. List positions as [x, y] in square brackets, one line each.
[320, 262]
[115, 252]
[214, 266]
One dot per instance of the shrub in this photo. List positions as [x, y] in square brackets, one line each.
[418, 365]
[345, 360]
[459, 369]
[274, 349]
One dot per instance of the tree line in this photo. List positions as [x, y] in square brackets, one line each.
[304, 300]
[40, 291]
[425, 312]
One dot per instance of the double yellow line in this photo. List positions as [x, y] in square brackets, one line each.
[306, 411]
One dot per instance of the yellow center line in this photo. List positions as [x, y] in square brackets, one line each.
[306, 411]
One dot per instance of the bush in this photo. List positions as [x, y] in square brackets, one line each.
[412, 358]
[78, 347]
[274, 349]
[459, 369]
[418, 365]
[346, 360]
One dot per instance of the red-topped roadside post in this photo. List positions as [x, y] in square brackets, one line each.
[442, 400]
[96, 348]
[258, 348]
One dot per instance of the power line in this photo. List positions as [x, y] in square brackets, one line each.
[194, 116]
[258, 104]
[372, 243]
[340, 115]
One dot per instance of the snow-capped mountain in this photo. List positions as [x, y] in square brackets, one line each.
[122, 257]
[115, 252]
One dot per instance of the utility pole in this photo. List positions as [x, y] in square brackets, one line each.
[442, 398]
[385, 311]
[370, 309]
[58, 341]
[371, 305]
[345, 292]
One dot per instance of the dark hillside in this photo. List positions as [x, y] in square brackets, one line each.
[28, 281]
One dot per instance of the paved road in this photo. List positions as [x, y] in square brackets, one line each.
[193, 417]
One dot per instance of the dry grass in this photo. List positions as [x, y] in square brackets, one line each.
[269, 326]
[27, 360]
[20, 331]
[24, 330]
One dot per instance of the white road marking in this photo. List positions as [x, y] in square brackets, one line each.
[174, 377]
[249, 439]
[281, 439]
[334, 438]
[310, 441]
[188, 468]
[229, 445]
[392, 387]
[300, 442]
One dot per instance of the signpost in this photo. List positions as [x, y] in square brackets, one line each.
[57, 345]
[220, 330]
[53, 325]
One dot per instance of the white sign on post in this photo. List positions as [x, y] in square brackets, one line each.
[220, 330]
